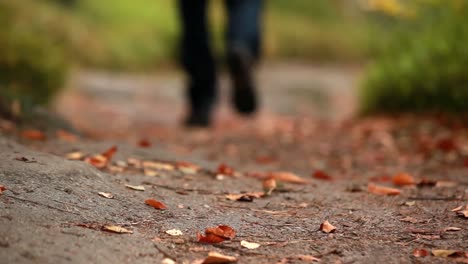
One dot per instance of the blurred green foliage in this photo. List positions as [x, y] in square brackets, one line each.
[423, 66]
[33, 62]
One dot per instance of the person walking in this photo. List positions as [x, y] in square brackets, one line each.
[243, 35]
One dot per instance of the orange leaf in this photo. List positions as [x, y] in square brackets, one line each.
[210, 238]
[109, 153]
[66, 136]
[327, 227]
[33, 134]
[217, 258]
[321, 175]
[155, 204]
[269, 185]
[382, 190]
[402, 179]
[223, 231]
[144, 143]
[2, 189]
[420, 252]
[225, 170]
[97, 161]
[288, 177]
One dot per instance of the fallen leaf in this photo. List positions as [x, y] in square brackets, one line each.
[108, 154]
[155, 204]
[420, 252]
[308, 258]
[76, 155]
[225, 170]
[222, 231]
[116, 229]
[459, 208]
[144, 143]
[168, 261]
[327, 227]
[135, 187]
[106, 195]
[24, 159]
[443, 253]
[409, 203]
[150, 172]
[157, 165]
[115, 169]
[321, 175]
[452, 228]
[382, 190]
[463, 213]
[288, 177]
[174, 232]
[403, 179]
[446, 184]
[216, 234]
[245, 197]
[187, 167]
[249, 245]
[2, 189]
[66, 136]
[217, 258]
[269, 185]
[97, 161]
[33, 134]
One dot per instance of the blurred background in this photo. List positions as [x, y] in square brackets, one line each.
[413, 51]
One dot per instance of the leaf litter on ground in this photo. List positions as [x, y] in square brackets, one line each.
[327, 227]
[106, 195]
[155, 204]
[216, 234]
[135, 187]
[382, 190]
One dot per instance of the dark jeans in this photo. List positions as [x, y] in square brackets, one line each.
[243, 32]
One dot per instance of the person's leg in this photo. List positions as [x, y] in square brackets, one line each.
[243, 50]
[198, 61]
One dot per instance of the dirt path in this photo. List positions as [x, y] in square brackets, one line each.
[51, 211]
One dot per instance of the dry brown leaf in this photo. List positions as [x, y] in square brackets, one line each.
[443, 253]
[174, 232]
[409, 203]
[150, 172]
[168, 261]
[269, 185]
[66, 136]
[403, 179]
[108, 154]
[76, 155]
[459, 208]
[308, 258]
[106, 195]
[249, 245]
[463, 213]
[288, 177]
[187, 167]
[382, 190]
[218, 258]
[157, 165]
[409, 219]
[134, 162]
[33, 134]
[2, 188]
[216, 234]
[155, 204]
[420, 252]
[224, 169]
[321, 175]
[135, 187]
[97, 161]
[116, 229]
[452, 228]
[244, 197]
[445, 184]
[144, 143]
[327, 227]
[115, 169]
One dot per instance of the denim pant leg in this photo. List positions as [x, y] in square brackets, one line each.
[244, 26]
[196, 55]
